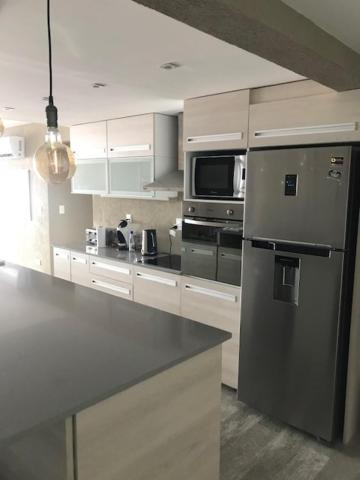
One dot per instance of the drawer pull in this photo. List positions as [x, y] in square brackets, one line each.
[153, 278]
[231, 256]
[220, 137]
[212, 293]
[63, 255]
[131, 148]
[310, 130]
[109, 286]
[81, 260]
[199, 251]
[111, 268]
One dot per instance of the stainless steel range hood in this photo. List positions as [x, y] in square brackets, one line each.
[173, 181]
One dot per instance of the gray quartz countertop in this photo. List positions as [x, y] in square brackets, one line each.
[120, 255]
[64, 347]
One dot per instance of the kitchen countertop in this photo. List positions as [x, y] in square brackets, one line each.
[121, 255]
[64, 347]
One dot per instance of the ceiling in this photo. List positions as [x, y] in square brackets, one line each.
[122, 44]
[339, 18]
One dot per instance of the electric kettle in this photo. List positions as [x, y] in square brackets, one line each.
[149, 242]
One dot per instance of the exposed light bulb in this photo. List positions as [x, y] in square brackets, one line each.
[2, 127]
[54, 162]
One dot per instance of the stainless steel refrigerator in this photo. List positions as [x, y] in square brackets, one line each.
[300, 225]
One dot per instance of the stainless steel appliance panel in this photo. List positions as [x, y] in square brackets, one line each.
[199, 260]
[229, 265]
[289, 345]
[298, 194]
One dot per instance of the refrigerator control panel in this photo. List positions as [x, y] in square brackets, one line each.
[291, 181]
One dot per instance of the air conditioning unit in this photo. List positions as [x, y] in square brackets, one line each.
[12, 148]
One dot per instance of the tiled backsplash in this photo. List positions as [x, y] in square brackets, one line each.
[146, 214]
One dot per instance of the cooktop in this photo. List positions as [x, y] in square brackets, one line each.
[172, 262]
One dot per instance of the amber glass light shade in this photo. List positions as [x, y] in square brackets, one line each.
[54, 162]
[2, 128]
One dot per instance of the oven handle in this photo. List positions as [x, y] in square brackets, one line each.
[211, 224]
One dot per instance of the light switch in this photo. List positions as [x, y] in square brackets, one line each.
[61, 209]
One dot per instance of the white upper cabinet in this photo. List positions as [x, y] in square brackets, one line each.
[89, 140]
[216, 122]
[322, 118]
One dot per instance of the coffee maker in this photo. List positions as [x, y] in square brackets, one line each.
[122, 235]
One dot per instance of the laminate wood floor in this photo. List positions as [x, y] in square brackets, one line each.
[254, 447]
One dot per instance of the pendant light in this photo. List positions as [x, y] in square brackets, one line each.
[2, 127]
[53, 161]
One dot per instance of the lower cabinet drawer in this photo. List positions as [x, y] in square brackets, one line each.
[216, 305]
[113, 287]
[157, 289]
[114, 270]
[80, 272]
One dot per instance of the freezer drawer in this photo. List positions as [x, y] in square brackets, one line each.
[289, 335]
[199, 260]
[298, 194]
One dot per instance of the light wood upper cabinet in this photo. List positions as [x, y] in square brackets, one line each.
[216, 122]
[325, 118]
[152, 134]
[131, 136]
[89, 140]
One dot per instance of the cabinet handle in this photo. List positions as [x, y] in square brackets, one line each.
[199, 251]
[81, 260]
[231, 256]
[220, 137]
[111, 268]
[212, 293]
[307, 130]
[131, 148]
[62, 255]
[153, 278]
[110, 286]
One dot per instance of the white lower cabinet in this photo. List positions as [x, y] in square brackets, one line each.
[61, 263]
[217, 305]
[80, 273]
[157, 289]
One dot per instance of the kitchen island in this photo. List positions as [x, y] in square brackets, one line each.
[96, 387]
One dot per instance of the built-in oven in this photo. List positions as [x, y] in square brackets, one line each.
[212, 241]
[220, 176]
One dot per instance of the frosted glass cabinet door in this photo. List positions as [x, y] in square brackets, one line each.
[90, 176]
[129, 175]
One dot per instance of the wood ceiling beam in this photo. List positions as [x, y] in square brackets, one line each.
[273, 31]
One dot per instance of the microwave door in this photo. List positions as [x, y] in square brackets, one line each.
[213, 176]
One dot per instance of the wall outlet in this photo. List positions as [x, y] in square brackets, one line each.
[179, 223]
[61, 209]
[129, 217]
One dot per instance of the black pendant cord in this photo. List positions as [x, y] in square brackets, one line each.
[51, 110]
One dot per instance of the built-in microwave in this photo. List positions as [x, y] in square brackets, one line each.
[218, 176]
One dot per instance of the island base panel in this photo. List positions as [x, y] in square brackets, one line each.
[167, 427]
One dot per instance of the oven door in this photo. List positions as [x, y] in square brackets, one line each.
[213, 176]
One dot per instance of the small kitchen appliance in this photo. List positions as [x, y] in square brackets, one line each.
[149, 242]
[216, 176]
[122, 233]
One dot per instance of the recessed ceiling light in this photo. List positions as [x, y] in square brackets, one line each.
[9, 108]
[98, 85]
[170, 66]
